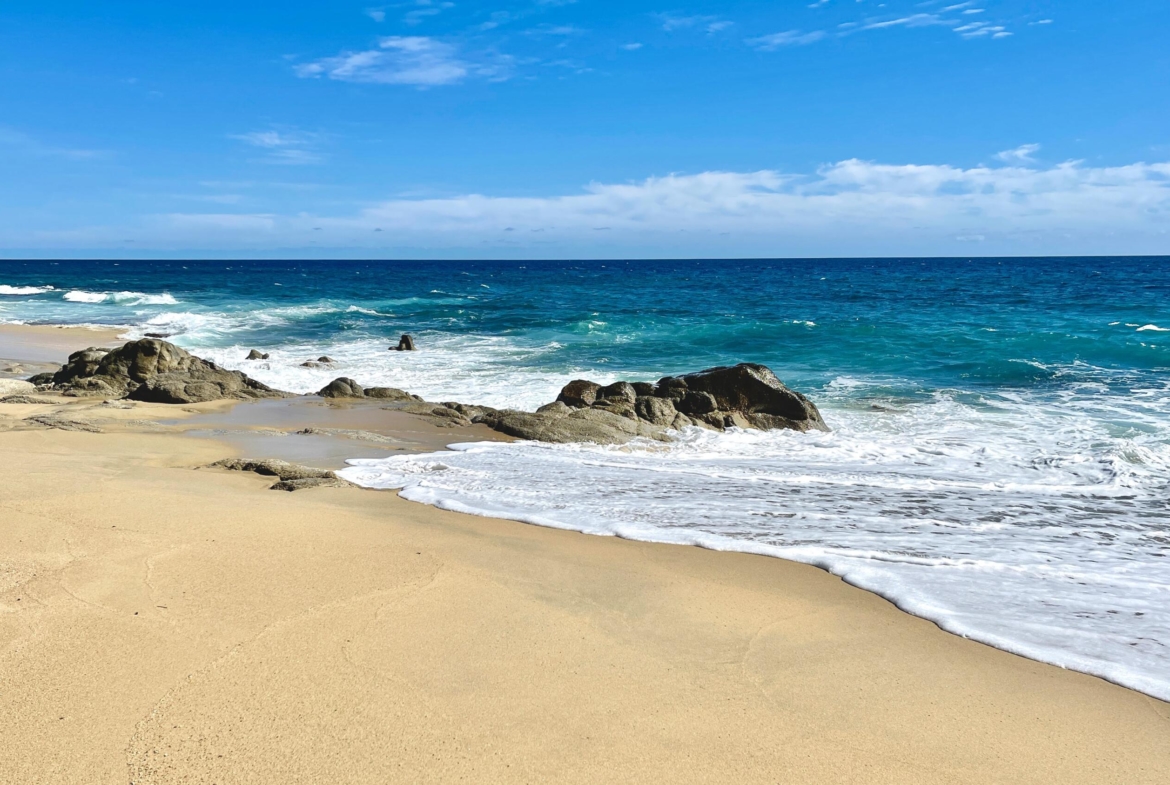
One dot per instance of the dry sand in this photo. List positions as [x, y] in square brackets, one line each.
[161, 624]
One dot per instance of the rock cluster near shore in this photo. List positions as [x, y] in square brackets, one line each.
[744, 396]
[150, 370]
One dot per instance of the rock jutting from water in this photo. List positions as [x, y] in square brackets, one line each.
[151, 370]
[742, 396]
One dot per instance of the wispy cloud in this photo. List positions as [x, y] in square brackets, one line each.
[377, 14]
[283, 147]
[419, 61]
[774, 41]
[849, 207]
[25, 144]
[1021, 154]
[632, 47]
[706, 23]
[425, 9]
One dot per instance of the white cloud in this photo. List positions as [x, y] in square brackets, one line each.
[377, 14]
[402, 60]
[283, 147]
[852, 207]
[633, 47]
[710, 24]
[788, 38]
[1021, 154]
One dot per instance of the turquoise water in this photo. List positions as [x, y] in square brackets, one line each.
[1000, 454]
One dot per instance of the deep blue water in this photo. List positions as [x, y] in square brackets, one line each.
[925, 324]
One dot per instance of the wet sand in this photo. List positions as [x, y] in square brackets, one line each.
[164, 623]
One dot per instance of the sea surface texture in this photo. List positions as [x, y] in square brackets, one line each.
[999, 460]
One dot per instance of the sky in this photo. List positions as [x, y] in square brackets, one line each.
[584, 129]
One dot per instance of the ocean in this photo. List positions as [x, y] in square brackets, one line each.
[999, 459]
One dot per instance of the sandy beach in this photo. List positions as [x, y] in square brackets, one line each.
[166, 623]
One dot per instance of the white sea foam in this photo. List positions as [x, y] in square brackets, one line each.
[1033, 526]
[481, 369]
[23, 291]
[119, 298]
[1153, 328]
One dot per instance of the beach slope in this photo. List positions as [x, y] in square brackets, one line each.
[162, 624]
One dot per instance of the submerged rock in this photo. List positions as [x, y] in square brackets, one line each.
[405, 344]
[154, 371]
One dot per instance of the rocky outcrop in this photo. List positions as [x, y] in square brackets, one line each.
[256, 355]
[291, 476]
[344, 387]
[743, 396]
[405, 344]
[154, 371]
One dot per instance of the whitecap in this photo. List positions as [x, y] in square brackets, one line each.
[23, 291]
[119, 298]
[1153, 328]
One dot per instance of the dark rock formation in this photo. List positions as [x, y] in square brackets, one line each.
[343, 387]
[154, 371]
[390, 394]
[405, 344]
[255, 355]
[292, 476]
[743, 396]
[326, 360]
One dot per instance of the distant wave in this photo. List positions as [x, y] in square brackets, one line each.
[119, 298]
[23, 291]
[1153, 328]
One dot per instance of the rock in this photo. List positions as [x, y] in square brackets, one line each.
[390, 394]
[742, 396]
[254, 355]
[326, 360]
[405, 344]
[292, 476]
[62, 423]
[27, 400]
[579, 393]
[618, 391]
[311, 482]
[580, 425]
[754, 390]
[156, 335]
[697, 403]
[42, 378]
[656, 411]
[313, 364]
[342, 387]
[155, 371]
[16, 387]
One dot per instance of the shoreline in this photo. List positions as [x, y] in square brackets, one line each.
[539, 653]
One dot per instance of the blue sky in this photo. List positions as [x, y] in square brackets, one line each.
[552, 128]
